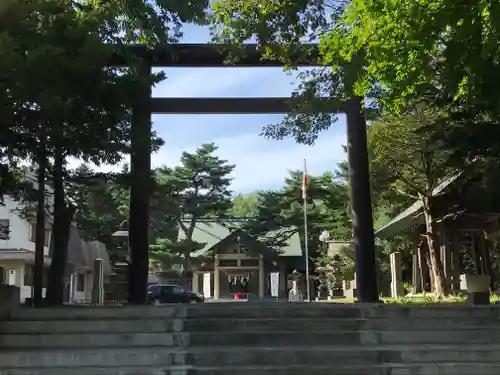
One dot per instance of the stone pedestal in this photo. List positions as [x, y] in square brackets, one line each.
[477, 287]
[349, 287]
[10, 297]
[478, 298]
[397, 289]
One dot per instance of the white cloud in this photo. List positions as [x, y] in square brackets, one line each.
[261, 164]
[206, 82]
[264, 164]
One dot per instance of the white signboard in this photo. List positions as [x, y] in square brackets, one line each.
[207, 287]
[275, 284]
[12, 277]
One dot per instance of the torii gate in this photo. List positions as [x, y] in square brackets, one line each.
[209, 55]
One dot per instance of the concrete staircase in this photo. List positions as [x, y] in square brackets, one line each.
[253, 339]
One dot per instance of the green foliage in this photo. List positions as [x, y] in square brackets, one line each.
[282, 24]
[420, 47]
[151, 23]
[197, 188]
[280, 214]
[58, 97]
[390, 52]
[426, 299]
[246, 205]
[102, 205]
[412, 162]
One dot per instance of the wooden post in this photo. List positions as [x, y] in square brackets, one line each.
[416, 274]
[195, 283]
[476, 253]
[359, 180]
[216, 278]
[445, 255]
[455, 261]
[283, 281]
[262, 279]
[487, 260]
[140, 188]
[360, 187]
[422, 264]
[98, 283]
[397, 289]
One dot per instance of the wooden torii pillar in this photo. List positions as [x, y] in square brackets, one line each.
[140, 188]
[205, 55]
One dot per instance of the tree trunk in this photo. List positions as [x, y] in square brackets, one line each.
[429, 272]
[38, 274]
[423, 264]
[436, 271]
[487, 261]
[63, 216]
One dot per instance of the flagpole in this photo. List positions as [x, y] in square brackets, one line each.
[306, 245]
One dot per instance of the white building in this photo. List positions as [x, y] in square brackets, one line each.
[17, 255]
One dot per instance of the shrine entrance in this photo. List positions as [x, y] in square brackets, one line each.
[233, 261]
[239, 282]
[210, 55]
[230, 264]
[230, 275]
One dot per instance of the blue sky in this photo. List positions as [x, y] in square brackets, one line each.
[260, 163]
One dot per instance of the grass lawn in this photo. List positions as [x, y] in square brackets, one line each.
[419, 299]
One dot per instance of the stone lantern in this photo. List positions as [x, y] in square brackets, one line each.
[322, 282]
[335, 273]
[295, 294]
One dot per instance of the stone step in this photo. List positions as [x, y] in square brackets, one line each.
[243, 325]
[93, 340]
[256, 339]
[395, 369]
[99, 313]
[92, 326]
[261, 310]
[157, 357]
[337, 310]
[250, 356]
[331, 324]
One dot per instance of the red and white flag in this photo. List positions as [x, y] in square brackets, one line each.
[304, 182]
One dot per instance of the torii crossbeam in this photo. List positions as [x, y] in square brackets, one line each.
[208, 55]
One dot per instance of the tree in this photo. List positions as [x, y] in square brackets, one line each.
[198, 188]
[442, 51]
[84, 26]
[36, 37]
[279, 29]
[280, 214]
[245, 205]
[86, 116]
[417, 165]
[102, 204]
[151, 23]
[154, 24]
[414, 48]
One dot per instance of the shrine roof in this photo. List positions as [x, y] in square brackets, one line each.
[212, 231]
[412, 216]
